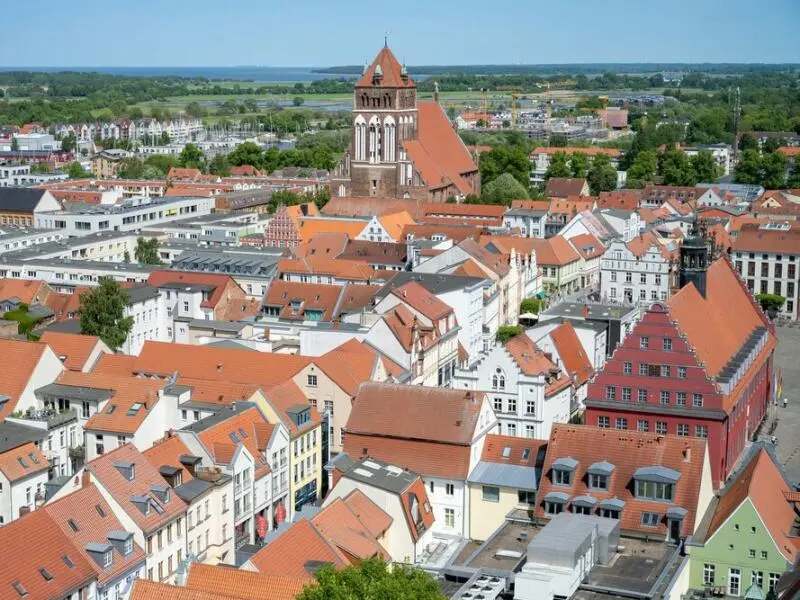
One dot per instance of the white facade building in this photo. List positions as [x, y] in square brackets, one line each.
[638, 272]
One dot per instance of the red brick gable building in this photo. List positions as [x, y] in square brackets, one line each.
[401, 148]
[699, 365]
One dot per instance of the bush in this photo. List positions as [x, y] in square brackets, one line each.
[531, 305]
[506, 332]
[25, 321]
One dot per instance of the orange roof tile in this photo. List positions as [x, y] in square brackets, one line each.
[352, 270]
[394, 223]
[329, 244]
[576, 361]
[512, 450]
[251, 430]
[641, 244]
[242, 584]
[789, 151]
[368, 207]
[167, 452]
[453, 231]
[219, 364]
[554, 251]
[752, 238]
[25, 356]
[115, 364]
[719, 324]
[349, 365]
[311, 296]
[106, 470]
[183, 174]
[28, 291]
[587, 245]
[94, 518]
[374, 519]
[287, 395]
[762, 482]
[74, 347]
[422, 301]
[213, 391]
[627, 451]
[35, 542]
[144, 589]
[289, 554]
[310, 227]
[623, 199]
[498, 265]
[529, 357]
[23, 461]
[390, 72]
[121, 413]
[342, 527]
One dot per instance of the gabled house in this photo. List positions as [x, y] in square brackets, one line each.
[77, 352]
[436, 432]
[399, 493]
[504, 481]
[419, 332]
[99, 536]
[240, 584]
[641, 271]
[23, 473]
[655, 485]
[145, 505]
[386, 227]
[40, 561]
[35, 365]
[749, 535]
[527, 390]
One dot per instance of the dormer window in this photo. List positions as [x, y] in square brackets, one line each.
[562, 477]
[128, 546]
[598, 474]
[656, 483]
[108, 558]
[563, 470]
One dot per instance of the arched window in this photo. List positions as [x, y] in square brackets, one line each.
[389, 139]
[361, 138]
[342, 191]
[498, 380]
[374, 140]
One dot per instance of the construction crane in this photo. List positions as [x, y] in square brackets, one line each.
[548, 107]
[485, 104]
[737, 113]
[514, 108]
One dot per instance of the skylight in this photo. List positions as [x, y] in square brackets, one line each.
[133, 410]
[506, 451]
[234, 437]
[20, 588]
[34, 458]
[68, 561]
[73, 525]
[242, 433]
[100, 510]
[22, 462]
[111, 409]
[45, 574]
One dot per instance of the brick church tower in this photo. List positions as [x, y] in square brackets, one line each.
[384, 115]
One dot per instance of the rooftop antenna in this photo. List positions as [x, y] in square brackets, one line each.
[385, 39]
[737, 112]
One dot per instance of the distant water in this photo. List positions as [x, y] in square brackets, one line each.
[240, 73]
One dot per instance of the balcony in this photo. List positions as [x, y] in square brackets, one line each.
[77, 452]
[53, 417]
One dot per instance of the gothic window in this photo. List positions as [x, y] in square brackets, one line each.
[389, 139]
[374, 140]
[361, 138]
[342, 191]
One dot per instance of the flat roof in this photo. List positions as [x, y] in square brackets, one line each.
[13, 435]
[635, 569]
[376, 473]
[511, 537]
[596, 311]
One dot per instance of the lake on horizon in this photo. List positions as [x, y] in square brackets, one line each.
[265, 74]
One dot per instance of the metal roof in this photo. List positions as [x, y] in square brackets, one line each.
[73, 392]
[676, 512]
[658, 474]
[13, 435]
[613, 503]
[601, 468]
[566, 463]
[588, 501]
[556, 497]
[511, 476]
[192, 489]
[19, 199]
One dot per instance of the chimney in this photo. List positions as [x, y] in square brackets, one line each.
[687, 454]
[219, 367]
[85, 479]
[585, 311]
[470, 396]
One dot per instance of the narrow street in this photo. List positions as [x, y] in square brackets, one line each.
[787, 358]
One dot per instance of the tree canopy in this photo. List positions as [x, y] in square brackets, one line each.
[503, 190]
[192, 157]
[372, 580]
[102, 313]
[602, 177]
[502, 159]
[146, 251]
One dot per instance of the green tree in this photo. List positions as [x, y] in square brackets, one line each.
[503, 190]
[131, 168]
[219, 165]
[770, 303]
[68, 142]
[558, 167]
[146, 251]
[298, 101]
[193, 109]
[704, 167]
[191, 157]
[372, 580]
[506, 332]
[161, 162]
[14, 144]
[578, 164]
[102, 313]
[675, 168]
[748, 142]
[164, 139]
[75, 171]
[505, 158]
[643, 169]
[531, 305]
[793, 181]
[251, 154]
[773, 170]
[748, 169]
[602, 176]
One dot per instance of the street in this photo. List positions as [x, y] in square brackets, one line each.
[787, 358]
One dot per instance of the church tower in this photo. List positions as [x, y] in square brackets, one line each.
[694, 260]
[384, 116]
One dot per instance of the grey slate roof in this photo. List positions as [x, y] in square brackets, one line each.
[192, 489]
[657, 473]
[14, 435]
[510, 476]
[19, 199]
[435, 283]
[75, 392]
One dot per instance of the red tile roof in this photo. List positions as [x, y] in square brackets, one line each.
[718, 325]
[110, 477]
[115, 364]
[127, 392]
[457, 233]
[28, 291]
[250, 429]
[92, 515]
[374, 519]
[755, 238]
[623, 199]
[422, 301]
[552, 252]
[219, 364]
[340, 524]
[311, 296]
[627, 451]
[25, 356]
[22, 461]
[444, 146]
[167, 452]
[144, 589]
[239, 583]
[512, 450]
[331, 244]
[311, 227]
[562, 187]
[427, 430]
[351, 270]
[391, 72]
[349, 365]
[576, 362]
[587, 245]
[588, 150]
[35, 542]
[367, 207]
[394, 223]
[301, 545]
[288, 395]
[762, 482]
[177, 173]
[74, 347]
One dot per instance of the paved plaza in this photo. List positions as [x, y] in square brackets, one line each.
[787, 358]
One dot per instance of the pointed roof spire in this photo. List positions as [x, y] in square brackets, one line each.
[386, 39]
[385, 71]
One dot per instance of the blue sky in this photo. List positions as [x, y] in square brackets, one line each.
[327, 32]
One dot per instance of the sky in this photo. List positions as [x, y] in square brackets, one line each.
[421, 32]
